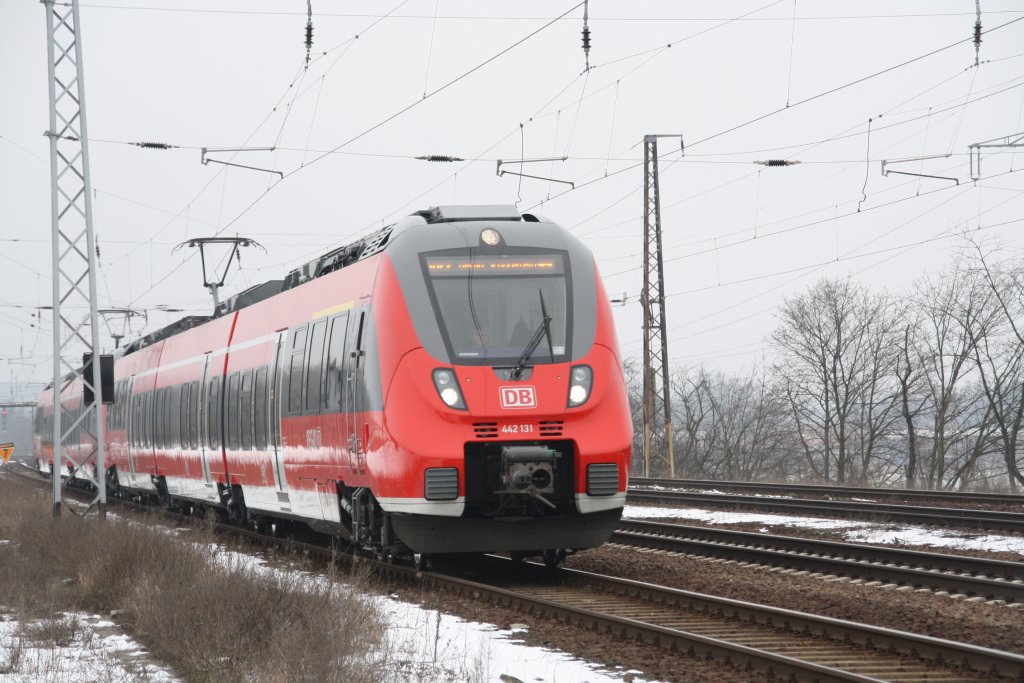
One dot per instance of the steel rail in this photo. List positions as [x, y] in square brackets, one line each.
[946, 517]
[957, 574]
[799, 490]
[853, 652]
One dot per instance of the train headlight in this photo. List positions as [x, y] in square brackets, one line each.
[580, 379]
[490, 237]
[448, 388]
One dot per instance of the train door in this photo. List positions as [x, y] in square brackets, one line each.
[353, 400]
[275, 413]
[207, 396]
[334, 410]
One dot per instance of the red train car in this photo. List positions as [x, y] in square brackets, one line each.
[449, 384]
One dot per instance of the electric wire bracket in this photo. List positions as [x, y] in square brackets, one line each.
[502, 172]
[207, 150]
[889, 162]
[1008, 141]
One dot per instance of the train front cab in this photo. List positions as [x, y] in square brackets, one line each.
[494, 452]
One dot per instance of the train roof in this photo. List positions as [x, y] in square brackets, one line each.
[339, 258]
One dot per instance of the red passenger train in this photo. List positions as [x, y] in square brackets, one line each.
[449, 384]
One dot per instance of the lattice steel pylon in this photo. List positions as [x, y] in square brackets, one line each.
[74, 255]
[657, 443]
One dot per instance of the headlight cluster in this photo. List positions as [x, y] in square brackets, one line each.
[580, 379]
[448, 388]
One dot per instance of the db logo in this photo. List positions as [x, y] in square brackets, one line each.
[518, 397]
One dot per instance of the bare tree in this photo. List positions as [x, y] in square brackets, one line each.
[1000, 357]
[691, 406]
[752, 427]
[839, 351]
[939, 403]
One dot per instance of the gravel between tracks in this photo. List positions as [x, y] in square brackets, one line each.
[991, 626]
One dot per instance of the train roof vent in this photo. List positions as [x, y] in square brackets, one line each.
[339, 258]
[453, 214]
[253, 295]
[174, 328]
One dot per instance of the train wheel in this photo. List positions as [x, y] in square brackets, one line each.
[553, 558]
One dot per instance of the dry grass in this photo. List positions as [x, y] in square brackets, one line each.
[206, 613]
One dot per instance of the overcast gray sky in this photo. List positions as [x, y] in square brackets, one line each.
[741, 81]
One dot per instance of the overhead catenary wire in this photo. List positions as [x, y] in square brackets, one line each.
[605, 159]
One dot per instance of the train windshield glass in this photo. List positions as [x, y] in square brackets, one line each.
[490, 305]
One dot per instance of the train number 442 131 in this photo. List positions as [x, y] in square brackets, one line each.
[517, 429]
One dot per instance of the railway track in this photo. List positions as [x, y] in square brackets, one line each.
[805, 490]
[935, 516]
[969, 577]
[785, 643]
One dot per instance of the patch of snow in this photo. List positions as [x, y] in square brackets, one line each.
[854, 531]
[434, 646]
[93, 654]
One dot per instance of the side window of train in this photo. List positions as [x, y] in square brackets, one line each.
[213, 413]
[336, 364]
[183, 390]
[175, 413]
[260, 409]
[314, 367]
[165, 422]
[296, 350]
[246, 410]
[160, 425]
[145, 418]
[154, 411]
[231, 417]
[158, 414]
[194, 411]
[170, 426]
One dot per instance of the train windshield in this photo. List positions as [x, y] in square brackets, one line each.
[490, 305]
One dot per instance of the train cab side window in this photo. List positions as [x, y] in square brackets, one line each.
[335, 364]
[213, 413]
[314, 368]
[231, 418]
[260, 409]
[246, 411]
[297, 353]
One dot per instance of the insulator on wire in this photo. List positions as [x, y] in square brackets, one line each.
[439, 157]
[154, 145]
[777, 162]
[977, 32]
[586, 36]
[309, 29]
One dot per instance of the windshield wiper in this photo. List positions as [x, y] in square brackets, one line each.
[543, 330]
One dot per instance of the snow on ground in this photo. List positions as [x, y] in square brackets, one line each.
[440, 647]
[429, 645]
[88, 648]
[855, 531]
